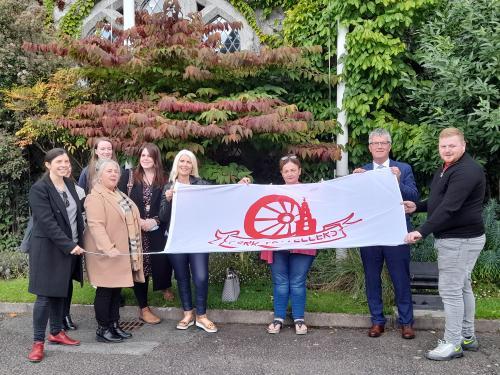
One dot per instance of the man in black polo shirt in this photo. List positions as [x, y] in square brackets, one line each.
[454, 208]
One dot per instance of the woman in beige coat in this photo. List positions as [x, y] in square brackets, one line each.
[113, 246]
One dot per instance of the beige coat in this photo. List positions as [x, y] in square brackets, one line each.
[107, 230]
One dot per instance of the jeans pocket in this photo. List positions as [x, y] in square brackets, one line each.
[449, 251]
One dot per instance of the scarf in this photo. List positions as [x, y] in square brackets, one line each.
[133, 229]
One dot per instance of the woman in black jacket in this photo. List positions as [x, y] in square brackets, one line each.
[144, 186]
[54, 249]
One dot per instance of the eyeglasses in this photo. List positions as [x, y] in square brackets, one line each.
[289, 157]
[379, 143]
[65, 197]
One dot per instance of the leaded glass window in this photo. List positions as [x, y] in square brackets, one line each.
[230, 39]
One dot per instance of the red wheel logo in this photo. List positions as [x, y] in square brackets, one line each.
[278, 216]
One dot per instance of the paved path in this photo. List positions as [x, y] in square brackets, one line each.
[237, 349]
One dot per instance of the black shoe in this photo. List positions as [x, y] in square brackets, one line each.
[117, 330]
[68, 324]
[105, 334]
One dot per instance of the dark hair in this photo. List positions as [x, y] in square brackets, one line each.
[153, 151]
[52, 154]
[290, 158]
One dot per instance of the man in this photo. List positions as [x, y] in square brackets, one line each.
[397, 258]
[454, 215]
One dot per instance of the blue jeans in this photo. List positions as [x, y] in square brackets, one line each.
[397, 259]
[456, 260]
[289, 274]
[195, 266]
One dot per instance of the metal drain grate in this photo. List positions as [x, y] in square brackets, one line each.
[131, 325]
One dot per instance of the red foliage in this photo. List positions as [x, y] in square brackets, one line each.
[132, 123]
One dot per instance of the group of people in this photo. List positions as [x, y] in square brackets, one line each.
[127, 218]
[454, 216]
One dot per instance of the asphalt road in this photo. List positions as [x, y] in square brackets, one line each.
[237, 349]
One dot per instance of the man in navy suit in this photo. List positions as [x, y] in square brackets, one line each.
[397, 258]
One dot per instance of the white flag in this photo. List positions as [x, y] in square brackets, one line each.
[357, 210]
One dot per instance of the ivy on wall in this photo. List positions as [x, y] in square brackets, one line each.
[49, 7]
[375, 62]
[71, 23]
[249, 13]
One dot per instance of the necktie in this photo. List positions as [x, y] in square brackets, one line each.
[380, 167]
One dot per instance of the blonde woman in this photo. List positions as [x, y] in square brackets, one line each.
[102, 149]
[188, 266]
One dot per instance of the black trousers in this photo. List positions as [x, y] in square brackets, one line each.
[107, 305]
[67, 301]
[141, 293]
[45, 309]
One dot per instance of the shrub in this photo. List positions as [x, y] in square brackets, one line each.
[13, 264]
[487, 268]
[346, 274]
[248, 266]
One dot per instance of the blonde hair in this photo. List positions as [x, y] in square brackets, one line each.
[174, 172]
[94, 158]
[99, 168]
[451, 132]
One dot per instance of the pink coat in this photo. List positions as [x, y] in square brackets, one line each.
[267, 255]
[107, 230]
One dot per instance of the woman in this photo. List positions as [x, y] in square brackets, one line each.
[54, 250]
[67, 320]
[144, 186]
[103, 149]
[185, 171]
[113, 248]
[289, 268]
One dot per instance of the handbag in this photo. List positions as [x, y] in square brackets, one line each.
[24, 247]
[231, 290]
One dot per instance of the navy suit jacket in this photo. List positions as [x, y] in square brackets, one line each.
[407, 183]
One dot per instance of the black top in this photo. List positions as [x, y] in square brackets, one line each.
[136, 194]
[166, 206]
[455, 203]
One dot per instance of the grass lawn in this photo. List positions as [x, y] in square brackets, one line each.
[254, 296]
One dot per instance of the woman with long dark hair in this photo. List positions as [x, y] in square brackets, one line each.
[54, 250]
[144, 186]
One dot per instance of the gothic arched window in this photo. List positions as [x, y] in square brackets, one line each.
[230, 39]
[153, 6]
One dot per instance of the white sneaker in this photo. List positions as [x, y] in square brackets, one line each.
[445, 351]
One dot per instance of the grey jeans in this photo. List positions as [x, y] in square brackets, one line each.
[456, 260]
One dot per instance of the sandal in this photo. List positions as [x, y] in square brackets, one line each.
[275, 326]
[208, 326]
[186, 322]
[300, 327]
